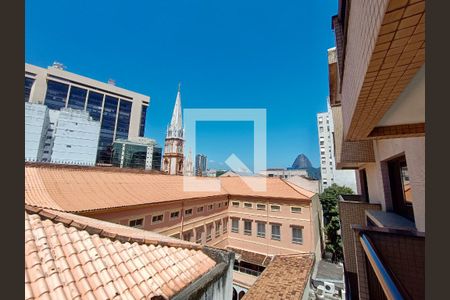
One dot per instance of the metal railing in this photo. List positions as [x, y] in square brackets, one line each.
[387, 283]
[246, 270]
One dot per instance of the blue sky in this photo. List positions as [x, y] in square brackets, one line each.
[227, 54]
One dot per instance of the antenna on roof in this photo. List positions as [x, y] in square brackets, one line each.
[58, 65]
[111, 81]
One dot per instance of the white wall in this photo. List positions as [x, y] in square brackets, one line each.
[36, 123]
[76, 138]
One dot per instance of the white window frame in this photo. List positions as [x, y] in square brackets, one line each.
[276, 205]
[174, 218]
[246, 231]
[233, 229]
[157, 215]
[190, 214]
[272, 235]
[200, 209]
[296, 207]
[260, 204]
[235, 204]
[246, 203]
[135, 219]
[297, 241]
[258, 233]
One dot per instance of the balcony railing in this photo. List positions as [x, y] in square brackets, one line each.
[246, 270]
[391, 263]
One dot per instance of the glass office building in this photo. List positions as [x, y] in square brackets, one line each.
[122, 113]
[140, 153]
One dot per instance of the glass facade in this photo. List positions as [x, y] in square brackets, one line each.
[156, 162]
[94, 105]
[56, 95]
[134, 156]
[142, 124]
[77, 98]
[28, 84]
[107, 130]
[123, 121]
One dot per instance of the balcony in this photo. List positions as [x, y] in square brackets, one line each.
[390, 263]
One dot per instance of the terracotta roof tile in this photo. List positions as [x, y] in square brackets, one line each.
[285, 278]
[63, 262]
[86, 189]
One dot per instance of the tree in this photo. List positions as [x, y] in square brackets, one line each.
[329, 200]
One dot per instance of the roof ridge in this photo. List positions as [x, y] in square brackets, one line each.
[290, 185]
[110, 234]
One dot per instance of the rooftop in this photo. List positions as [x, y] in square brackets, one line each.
[83, 189]
[285, 278]
[70, 256]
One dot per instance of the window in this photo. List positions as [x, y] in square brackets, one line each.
[225, 225]
[210, 207]
[136, 222]
[247, 227]
[208, 232]
[248, 205]
[77, 98]
[297, 235]
[188, 212]
[56, 95]
[322, 142]
[220, 205]
[235, 204]
[363, 184]
[68, 146]
[198, 234]
[261, 230]
[107, 130]
[143, 118]
[260, 206]
[94, 105]
[275, 208]
[276, 232]
[28, 85]
[296, 209]
[123, 120]
[187, 236]
[400, 187]
[320, 129]
[174, 214]
[218, 228]
[235, 225]
[157, 219]
[200, 209]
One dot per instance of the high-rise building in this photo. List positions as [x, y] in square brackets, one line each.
[66, 136]
[120, 112]
[173, 161]
[328, 171]
[201, 162]
[137, 153]
[377, 97]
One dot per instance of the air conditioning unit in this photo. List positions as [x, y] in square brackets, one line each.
[329, 287]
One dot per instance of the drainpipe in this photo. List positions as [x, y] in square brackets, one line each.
[182, 219]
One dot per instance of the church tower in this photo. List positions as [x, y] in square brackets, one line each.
[173, 159]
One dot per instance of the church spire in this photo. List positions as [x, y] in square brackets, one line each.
[176, 123]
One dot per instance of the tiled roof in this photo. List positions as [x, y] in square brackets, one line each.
[251, 257]
[73, 257]
[285, 278]
[275, 187]
[77, 189]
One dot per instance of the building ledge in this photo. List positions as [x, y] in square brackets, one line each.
[389, 220]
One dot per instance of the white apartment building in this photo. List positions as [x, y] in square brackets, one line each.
[65, 136]
[328, 171]
[121, 112]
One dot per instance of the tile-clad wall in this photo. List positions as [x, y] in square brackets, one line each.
[365, 19]
[352, 213]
